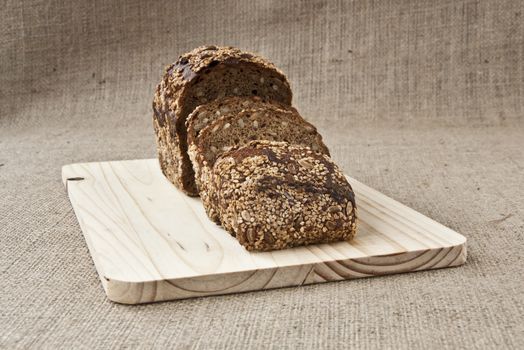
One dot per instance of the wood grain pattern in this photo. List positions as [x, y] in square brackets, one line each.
[149, 242]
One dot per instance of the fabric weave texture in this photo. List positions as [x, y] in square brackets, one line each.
[421, 100]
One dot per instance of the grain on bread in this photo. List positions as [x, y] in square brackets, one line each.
[207, 113]
[273, 195]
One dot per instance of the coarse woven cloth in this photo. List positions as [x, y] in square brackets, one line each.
[422, 100]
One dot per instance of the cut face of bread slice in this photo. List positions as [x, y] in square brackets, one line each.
[198, 77]
[256, 124]
[273, 195]
[205, 114]
[238, 129]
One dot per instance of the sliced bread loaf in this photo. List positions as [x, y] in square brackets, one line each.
[200, 76]
[273, 195]
[238, 129]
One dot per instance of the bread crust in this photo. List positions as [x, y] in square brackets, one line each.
[170, 110]
[273, 195]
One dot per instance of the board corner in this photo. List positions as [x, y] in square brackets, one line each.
[123, 292]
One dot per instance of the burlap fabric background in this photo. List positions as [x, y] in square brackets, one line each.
[423, 100]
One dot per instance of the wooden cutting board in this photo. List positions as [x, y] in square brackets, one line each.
[150, 242]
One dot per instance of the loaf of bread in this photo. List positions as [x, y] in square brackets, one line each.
[226, 131]
[198, 77]
[273, 195]
[235, 130]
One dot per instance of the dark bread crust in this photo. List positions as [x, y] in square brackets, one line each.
[238, 129]
[191, 81]
[273, 195]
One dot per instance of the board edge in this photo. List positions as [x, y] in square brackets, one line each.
[117, 291]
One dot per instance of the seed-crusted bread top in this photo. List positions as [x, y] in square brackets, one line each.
[207, 113]
[191, 63]
[273, 195]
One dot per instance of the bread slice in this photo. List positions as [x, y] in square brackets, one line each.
[198, 77]
[273, 195]
[238, 129]
[207, 113]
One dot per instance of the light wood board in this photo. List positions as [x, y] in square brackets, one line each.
[149, 242]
